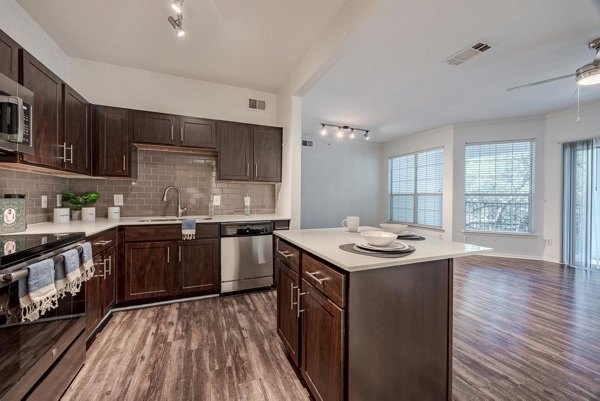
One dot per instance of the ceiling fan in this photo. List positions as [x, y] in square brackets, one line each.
[587, 75]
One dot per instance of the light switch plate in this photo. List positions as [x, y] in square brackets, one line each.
[58, 200]
[119, 200]
[217, 200]
[44, 202]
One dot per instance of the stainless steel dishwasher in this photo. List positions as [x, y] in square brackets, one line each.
[246, 255]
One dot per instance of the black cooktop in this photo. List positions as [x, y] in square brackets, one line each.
[16, 248]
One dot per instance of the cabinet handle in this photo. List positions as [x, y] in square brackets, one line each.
[171, 132]
[179, 253]
[255, 170]
[181, 135]
[300, 310]
[169, 255]
[102, 243]
[124, 162]
[248, 169]
[64, 148]
[71, 158]
[109, 260]
[314, 277]
[285, 254]
[292, 303]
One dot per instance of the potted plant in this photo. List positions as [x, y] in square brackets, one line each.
[76, 202]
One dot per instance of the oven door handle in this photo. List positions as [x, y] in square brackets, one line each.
[21, 115]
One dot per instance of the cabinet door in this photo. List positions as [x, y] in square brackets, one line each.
[94, 296]
[267, 154]
[287, 310]
[9, 57]
[155, 128]
[110, 263]
[234, 151]
[197, 132]
[47, 103]
[149, 270]
[76, 131]
[322, 345]
[110, 134]
[199, 266]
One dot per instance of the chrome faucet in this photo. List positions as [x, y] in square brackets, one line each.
[180, 210]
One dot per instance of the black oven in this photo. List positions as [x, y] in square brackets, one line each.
[16, 117]
[40, 358]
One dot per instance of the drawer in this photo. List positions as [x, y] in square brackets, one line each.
[103, 240]
[281, 225]
[288, 254]
[327, 280]
[167, 232]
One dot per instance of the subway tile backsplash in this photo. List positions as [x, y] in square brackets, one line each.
[195, 175]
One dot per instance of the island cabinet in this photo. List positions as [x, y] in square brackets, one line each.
[158, 265]
[375, 333]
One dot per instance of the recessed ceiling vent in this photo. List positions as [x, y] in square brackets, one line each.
[468, 53]
[256, 104]
[307, 143]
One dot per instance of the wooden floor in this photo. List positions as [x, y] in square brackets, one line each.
[522, 331]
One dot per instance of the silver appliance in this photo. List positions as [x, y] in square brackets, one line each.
[16, 117]
[246, 256]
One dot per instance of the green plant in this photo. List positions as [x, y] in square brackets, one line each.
[76, 202]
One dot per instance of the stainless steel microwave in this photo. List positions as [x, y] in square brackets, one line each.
[16, 117]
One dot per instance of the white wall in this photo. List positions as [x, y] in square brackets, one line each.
[442, 137]
[340, 178]
[502, 130]
[562, 127]
[15, 21]
[113, 85]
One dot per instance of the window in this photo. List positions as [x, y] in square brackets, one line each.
[416, 183]
[499, 186]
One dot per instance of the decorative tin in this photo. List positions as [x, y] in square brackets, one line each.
[12, 214]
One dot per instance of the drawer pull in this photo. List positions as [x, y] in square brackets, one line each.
[292, 303]
[102, 243]
[314, 277]
[285, 254]
[300, 310]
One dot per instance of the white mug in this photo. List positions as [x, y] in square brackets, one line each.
[88, 213]
[351, 223]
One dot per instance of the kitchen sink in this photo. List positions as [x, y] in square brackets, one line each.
[163, 219]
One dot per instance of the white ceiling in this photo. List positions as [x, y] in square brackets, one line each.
[253, 44]
[395, 81]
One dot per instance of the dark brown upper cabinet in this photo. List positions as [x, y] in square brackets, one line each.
[9, 57]
[267, 148]
[47, 105]
[235, 154]
[155, 128]
[197, 132]
[112, 154]
[75, 133]
[248, 152]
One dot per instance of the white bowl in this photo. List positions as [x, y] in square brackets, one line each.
[379, 238]
[393, 227]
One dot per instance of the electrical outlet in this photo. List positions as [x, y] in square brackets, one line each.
[119, 200]
[217, 200]
[58, 200]
[548, 242]
[44, 202]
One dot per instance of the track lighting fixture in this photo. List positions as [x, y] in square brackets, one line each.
[343, 130]
[177, 24]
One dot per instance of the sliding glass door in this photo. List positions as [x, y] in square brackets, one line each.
[581, 204]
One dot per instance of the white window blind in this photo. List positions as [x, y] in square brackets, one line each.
[499, 186]
[416, 185]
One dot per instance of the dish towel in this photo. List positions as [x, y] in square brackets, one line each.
[188, 229]
[67, 276]
[37, 292]
[86, 267]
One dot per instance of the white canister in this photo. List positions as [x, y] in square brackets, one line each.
[62, 215]
[114, 213]
[88, 213]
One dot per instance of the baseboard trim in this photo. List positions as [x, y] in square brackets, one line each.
[526, 257]
[171, 301]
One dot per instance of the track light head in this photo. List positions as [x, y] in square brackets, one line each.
[177, 24]
[177, 6]
[323, 130]
[340, 133]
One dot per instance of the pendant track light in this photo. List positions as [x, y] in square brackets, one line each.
[343, 130]
[177, 24]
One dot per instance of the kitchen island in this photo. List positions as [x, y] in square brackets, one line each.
[360, 327]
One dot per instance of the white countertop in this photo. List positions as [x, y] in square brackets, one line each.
[94, 227]
[325, 244]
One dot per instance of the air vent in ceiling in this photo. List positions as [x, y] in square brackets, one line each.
[257, 104]
[468, 53]
[307, 143]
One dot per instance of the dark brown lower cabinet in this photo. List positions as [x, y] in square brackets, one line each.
[93, 301]
[198, 266]
[322, 344]
[110, 268]
[100, 289]
[149, 270]
[288, 326]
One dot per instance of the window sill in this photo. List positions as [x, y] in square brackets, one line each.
[423, 227]
[500, 233]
